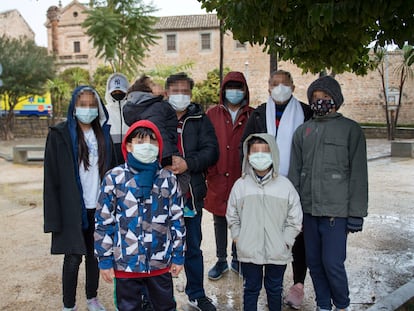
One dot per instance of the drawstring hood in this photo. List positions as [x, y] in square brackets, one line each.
[72, 124]
[235, 76]
[270, 140]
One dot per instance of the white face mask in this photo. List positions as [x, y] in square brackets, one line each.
[179, 102]
[281, 93]
[145, 153]
[260, 161]
[86, 115]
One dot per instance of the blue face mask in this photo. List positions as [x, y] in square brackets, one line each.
[234, 96]
[86, 115]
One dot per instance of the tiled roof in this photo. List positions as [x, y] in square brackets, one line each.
[203, 21]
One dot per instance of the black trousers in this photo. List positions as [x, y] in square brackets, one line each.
[220, 231]
[299, 260]
[159, 288]
[71, 263]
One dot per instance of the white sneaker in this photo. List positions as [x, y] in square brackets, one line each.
[94, 305]
[75, 308]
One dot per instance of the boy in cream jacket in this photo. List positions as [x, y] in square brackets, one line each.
[264, 216]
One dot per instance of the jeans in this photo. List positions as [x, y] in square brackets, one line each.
[71, 263]
[273, 282]
[193, 264]
[325, 245]
[220, 231]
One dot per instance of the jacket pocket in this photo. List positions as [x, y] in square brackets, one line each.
[305, 187]
[335, 189]
[250, 243]
[276, 248]
[336, 152]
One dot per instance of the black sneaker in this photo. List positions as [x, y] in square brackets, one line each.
[202, 304]
[217, 271]
[236, 267]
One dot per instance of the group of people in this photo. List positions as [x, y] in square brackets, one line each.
[126, 183]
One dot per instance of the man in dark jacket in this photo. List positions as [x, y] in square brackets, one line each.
[229, 118]
[280, 116]
[197, 144]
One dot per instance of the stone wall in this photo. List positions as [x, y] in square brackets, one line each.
[36, 127]
[381, 132]
[31, 127]
[364, 100]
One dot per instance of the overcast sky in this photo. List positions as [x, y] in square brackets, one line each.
[34, 11]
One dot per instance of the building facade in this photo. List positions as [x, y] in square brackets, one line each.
[67, 39]
[195, 39]
[13, 25]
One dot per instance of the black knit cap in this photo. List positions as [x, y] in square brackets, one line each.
[328, 85]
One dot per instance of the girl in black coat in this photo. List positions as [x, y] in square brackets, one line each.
[77, 155]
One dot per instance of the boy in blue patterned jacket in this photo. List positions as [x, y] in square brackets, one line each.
[139, 230]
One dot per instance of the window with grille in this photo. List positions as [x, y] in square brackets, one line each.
[76, 46]
[240, 45]
[171, 43]
[205, 41]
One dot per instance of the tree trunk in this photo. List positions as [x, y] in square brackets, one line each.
[221, 53]
[273, 63]
[400, 89]
[384, 90]
[8, 126]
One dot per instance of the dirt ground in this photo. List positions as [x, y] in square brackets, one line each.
[380, 259]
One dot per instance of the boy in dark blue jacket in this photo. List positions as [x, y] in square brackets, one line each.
[139, 231]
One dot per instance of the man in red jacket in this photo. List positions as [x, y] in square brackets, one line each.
[229, 118]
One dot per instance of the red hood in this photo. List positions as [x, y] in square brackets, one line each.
[234, 76]
[146, 124]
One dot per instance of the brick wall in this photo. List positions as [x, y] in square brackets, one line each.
[363, 95]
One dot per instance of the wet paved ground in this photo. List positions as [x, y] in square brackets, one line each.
[373, 256]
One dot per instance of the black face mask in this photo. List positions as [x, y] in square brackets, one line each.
[321, 107]
[118, 95]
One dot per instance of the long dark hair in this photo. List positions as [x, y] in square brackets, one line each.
[83, 151]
